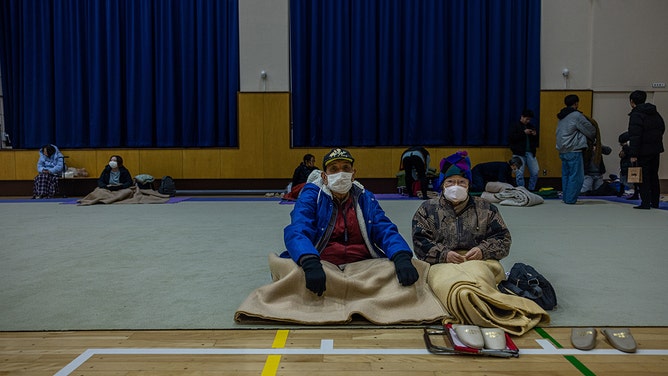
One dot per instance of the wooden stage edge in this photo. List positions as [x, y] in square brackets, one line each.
[335, 351]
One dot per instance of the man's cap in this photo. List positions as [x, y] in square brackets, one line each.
[336, 154]
[461, 165]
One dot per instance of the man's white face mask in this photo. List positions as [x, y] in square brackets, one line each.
[341, 182]
[455, 193]
[113, 164]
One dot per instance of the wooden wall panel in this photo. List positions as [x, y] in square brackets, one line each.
[201, 164]
[264, 150]
[247, 159]
[8, 163]
[26, 164]
[160, 162]
[83, 159]
[278, 158]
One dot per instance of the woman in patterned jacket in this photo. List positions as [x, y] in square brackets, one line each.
[456, 227]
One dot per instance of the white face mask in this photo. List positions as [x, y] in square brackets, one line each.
[455, 193]
[340, 182]
[113, 164]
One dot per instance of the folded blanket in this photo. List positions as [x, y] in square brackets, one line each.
[496, 186]
[367, 289]
[470, 295]
[132, 195]
[518, 196]
[490, 197]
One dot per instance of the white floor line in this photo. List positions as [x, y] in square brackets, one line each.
[326, 348]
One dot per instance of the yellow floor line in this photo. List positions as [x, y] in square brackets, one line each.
[273, 361]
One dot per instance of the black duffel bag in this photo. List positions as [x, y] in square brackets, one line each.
[523, 280]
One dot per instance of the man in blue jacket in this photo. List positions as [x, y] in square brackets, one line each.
[573, 131]
[336, 220]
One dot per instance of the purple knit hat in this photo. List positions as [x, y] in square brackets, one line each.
[460, 165]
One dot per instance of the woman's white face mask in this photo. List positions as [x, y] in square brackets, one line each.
[113, 164]
[341, 182]
[455, 193]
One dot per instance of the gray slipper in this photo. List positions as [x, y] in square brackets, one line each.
[583, 338]
[621, 339]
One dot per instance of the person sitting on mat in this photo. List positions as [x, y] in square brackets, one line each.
[340, 222]
[300, 176]
[49, 167]
[456, 227]
[415, 163]
[345, 260]
[114, 177]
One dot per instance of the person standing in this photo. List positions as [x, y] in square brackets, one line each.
[573, 131]
[646, 128]
[523, 140]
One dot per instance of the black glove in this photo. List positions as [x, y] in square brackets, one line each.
[315, 276]
[406, 272]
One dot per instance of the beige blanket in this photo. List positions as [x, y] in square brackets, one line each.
[469, 293]
[132, 195]
[506, 194]
[366, 289]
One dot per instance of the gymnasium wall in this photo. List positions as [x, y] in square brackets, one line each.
[264, 149]
[610, 48]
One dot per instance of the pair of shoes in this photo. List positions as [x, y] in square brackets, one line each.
[643, 207]
[619, 338]
[481, 338]
[471, 340]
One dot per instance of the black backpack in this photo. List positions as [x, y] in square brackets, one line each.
[167, 186]
[523, 280]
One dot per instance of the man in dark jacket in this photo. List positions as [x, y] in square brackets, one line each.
[300, 176]
[523, 140]
[415, 162]
[646, 128]
[484, 173]
[303, 170]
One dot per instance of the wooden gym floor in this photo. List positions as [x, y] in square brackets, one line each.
[335, 351]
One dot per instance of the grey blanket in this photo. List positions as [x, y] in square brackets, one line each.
[506, 194]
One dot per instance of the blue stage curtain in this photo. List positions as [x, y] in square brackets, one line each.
[398, 72]
[120, 73]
